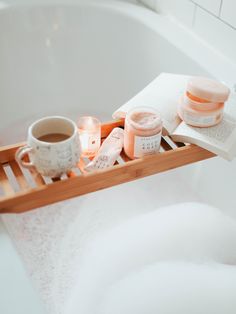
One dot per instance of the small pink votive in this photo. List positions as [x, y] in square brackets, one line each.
[89, 129]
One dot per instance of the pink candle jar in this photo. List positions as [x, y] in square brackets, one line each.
[203, 103]
[142, 136]
[90, 135]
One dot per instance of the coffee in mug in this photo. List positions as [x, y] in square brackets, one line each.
[53, 137]
[52, 145]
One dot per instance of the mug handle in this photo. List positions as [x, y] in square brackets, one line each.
[20, 154]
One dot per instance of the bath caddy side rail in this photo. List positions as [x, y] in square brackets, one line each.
[22, 190]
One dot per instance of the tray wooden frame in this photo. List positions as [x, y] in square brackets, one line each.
[27, 196]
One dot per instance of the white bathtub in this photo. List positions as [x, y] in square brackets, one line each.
[89, 58]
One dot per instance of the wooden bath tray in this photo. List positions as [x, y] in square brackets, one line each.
[22, 190]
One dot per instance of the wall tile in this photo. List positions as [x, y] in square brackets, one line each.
[213, 20]
[228, 12]
[216, 32]
[183, 10]
[212, 6]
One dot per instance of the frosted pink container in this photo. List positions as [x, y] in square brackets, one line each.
[142, 136]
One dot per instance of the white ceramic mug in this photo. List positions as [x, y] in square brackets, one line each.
[51, 158]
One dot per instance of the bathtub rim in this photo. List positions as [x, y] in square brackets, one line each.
[213, 61]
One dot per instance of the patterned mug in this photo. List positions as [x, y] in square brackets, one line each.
[52, 145]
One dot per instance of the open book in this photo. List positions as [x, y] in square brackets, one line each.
[163, 94]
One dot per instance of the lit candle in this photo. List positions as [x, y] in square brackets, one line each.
[90, 135]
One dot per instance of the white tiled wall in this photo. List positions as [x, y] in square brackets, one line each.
[228, 12]
[212, 6]
[213, 20]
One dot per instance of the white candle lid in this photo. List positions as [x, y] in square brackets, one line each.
[208, 89]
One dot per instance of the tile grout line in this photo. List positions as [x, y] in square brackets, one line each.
[212, 14]
[195, 10]
[221, 4]
[151, 7]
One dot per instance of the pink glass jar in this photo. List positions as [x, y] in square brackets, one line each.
[202, 105]
[89, 129]
[142, 136]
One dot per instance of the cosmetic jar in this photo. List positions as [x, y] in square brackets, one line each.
[202, 105]
[142, 134]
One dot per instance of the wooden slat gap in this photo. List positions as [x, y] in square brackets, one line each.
[19, 175]
[4, 182]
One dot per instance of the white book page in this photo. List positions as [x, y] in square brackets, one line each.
[162, 94]
[220, 139]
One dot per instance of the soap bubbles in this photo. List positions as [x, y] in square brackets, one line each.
[178, 259]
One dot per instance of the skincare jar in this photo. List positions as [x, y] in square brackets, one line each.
[142, 136]
[202, 104]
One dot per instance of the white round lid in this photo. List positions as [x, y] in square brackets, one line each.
[208, 89]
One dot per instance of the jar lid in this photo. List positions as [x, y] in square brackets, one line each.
[144, 118]
[208, 89]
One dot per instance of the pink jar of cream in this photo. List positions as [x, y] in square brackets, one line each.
[142, 136]
[202, 105]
